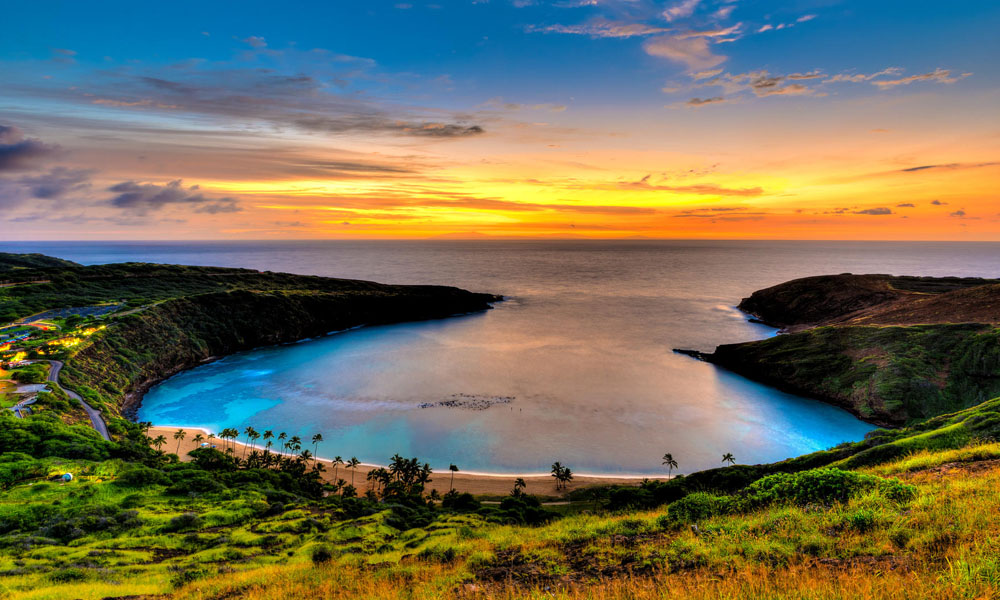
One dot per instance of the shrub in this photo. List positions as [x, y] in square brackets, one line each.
[189, 482]
[184, 522]
[140, 476]
[820, 486]
[696, 507]
[465, 502]
[321, 554]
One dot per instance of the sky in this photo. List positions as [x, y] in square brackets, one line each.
[800, 119]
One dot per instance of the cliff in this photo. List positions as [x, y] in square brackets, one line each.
[892, 350]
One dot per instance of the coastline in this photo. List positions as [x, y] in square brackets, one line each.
[474, 482]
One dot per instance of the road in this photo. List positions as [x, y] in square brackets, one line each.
[95, 415]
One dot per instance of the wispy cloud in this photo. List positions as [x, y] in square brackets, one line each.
[938, 75]
[681, 10]
[693, 52]
[601, 29]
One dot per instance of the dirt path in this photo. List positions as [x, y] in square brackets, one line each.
[95, 415]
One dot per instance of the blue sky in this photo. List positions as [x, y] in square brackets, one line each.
[442, 89]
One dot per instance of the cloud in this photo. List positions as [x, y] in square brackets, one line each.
[938, 75]
[56, 183]
[764, 28]
[18, 152]
[949, 167]
[247, 97]
[706, 74]
[711, 33]
[938, 203]
[762, 83]
[694, 52]
[704, 101]
[256, 41]
[681, 10]
[602, 29]
[958, 213]
[142, 198]
[906, 205]
[874, 211]
[805, 18]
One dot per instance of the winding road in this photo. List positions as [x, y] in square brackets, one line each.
[95, 415]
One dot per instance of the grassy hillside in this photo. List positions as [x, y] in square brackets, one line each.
[885, 375]
[17, 262]
[919, 526]
[892, 350]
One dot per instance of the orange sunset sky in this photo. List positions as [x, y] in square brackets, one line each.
[608, 119]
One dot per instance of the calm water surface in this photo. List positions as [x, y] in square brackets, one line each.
[582, 346]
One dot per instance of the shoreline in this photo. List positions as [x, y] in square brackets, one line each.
[474, 482]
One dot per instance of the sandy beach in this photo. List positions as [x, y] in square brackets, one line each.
[474, 483]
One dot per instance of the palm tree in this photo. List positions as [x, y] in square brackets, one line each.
[728, 458]
[251, 432]
[519, 485]
[316, 440]
[353, 465]
[454, 469]
[337, 461]
[159, 441]
[671, 464]
[556, 472]
[198, 439]
[179, 435]
[566, 476]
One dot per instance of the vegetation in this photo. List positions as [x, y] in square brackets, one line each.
[904, 513]
[18, 262]
[887, 375]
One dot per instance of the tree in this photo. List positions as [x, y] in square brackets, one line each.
[353, 465]
[179, 435]
[557, 469]
[159, 441]
[566, 476]
[519, 485]
[316, 440]
[728, 458]
[669, 462]
[337, 461]
[198, 439]
[454, 469]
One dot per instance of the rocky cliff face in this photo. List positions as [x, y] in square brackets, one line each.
[143, 348]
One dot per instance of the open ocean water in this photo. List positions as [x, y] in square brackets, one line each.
[576, 365]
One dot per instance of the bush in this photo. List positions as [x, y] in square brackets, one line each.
[184, 522]
[192, 482]
[465, 502]
[321, 554]
[820, 486]
[140, 476]
[696, 507]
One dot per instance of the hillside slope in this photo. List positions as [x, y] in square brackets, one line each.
[892, 350]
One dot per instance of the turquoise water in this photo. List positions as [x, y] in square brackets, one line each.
[575, 366]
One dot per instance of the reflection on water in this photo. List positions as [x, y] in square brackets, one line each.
[583, 346]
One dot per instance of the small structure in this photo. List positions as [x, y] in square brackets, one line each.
[67, 477]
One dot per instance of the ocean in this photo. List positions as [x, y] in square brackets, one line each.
[576, 365]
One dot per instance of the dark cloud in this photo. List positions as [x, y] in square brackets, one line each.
[254, 96]
[949, 166]
[905, 205]
[18, 152]
[874, 211]
[142, 198]
[938, 203]
[958, 213]
[57, 183]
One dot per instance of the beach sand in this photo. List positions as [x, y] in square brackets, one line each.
[474, 483]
